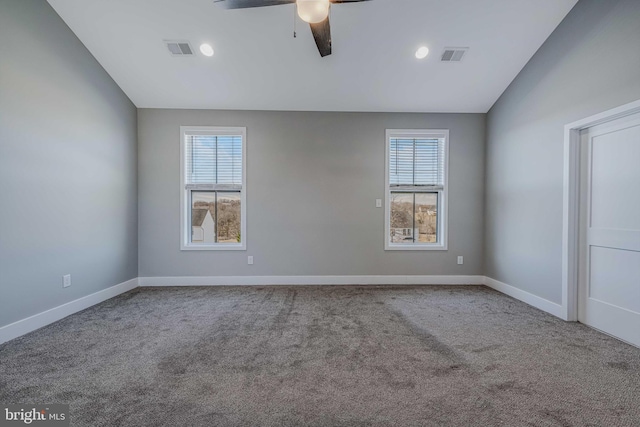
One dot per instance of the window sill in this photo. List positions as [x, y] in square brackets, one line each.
[413, 247]
[221, 247]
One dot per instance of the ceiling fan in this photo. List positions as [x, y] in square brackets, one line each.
[315, 12]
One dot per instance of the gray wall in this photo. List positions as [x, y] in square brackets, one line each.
[68, 159]
[312, 183]
[591, 63]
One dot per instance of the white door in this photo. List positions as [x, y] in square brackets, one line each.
[609, 276]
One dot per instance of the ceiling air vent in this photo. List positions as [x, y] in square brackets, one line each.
[179, 48]
[453, 54]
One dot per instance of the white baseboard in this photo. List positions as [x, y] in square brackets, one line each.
[37, 321]
[524, 296]
[310, 280]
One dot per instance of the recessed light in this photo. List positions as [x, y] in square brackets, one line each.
[206, 49]
[422, 52]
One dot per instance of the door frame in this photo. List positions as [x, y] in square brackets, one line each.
[571, 202]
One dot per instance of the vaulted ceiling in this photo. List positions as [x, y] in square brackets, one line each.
[258, 64]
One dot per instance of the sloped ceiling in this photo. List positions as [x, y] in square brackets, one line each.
[259, 65]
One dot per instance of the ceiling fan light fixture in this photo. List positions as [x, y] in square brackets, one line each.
[313, 11]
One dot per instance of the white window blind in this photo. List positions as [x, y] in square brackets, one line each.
[416, 164]
[213, 162]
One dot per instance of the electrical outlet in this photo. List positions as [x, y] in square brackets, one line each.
[460, 260]
[66, 280]
[378, 203]
[250, 260]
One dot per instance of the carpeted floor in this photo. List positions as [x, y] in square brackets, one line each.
[323, 356]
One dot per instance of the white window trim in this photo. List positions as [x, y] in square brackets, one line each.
[443, 200]
[185, 233]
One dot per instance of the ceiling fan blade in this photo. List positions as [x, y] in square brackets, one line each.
[322, 35]
[244, 4]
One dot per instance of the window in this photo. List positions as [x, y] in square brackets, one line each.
[416, 189]
[213, 188]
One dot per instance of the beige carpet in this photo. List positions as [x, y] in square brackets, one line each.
[323, 356]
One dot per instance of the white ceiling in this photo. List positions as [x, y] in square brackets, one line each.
[259, 65]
